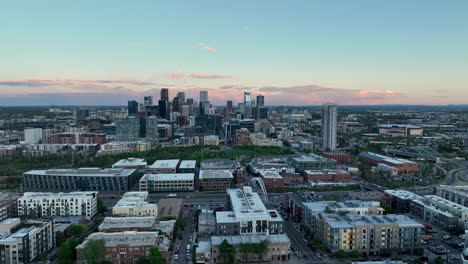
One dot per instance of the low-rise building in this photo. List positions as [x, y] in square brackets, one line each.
[372, 235]
[135, 204]
[312, 161]
[211, 140]
[131, 163]
[400, 130]
[281, 164]
[206, 222]
[327, 175]
[83, 179]
[215, 180]
[167, 182]
[278, 247]
[23, 242]
[187, 166]
[402, 166]
[340, 157]
[164, 166]
[39, 204]
[272, 179]
[128, 247]
[248, 215]
[145, 223]
[171, 207]
[219, 164]
[203, 252]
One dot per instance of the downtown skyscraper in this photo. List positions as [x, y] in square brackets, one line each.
[329, 126]
[247, 105]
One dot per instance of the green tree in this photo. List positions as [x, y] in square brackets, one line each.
[76, 230]
[227, 252]
[67, 252]
[388, 209]
[328, 210]
[155, 256]
[101, 206]
[439, 260]
[341, 254]
[93, 252]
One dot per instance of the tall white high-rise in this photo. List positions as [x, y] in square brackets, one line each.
[203, 96]
[247, 105]
[32, 135]
[329, 125]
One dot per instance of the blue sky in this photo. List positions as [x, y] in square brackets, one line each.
[293, 52]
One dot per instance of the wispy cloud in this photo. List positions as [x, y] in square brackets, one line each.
[49, 81]
[180, 74]
[199, 75]
[206, 47]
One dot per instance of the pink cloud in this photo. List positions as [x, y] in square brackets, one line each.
[199, 75]
[180, 74]
[206, 47]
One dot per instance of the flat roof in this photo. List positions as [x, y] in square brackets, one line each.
[215, 174]
[270, 174]
[234, 240]
[324, 171]
[398, 126]
[169, 177]
[85, 172]
[165, 164]
[188, 164]
[42, 195]
[311, 158]
[130, 162]
[403, 194]
[131, 238]
[127, 222]
[353, 204]
[350, 221]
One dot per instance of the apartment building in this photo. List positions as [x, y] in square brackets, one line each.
[129, 246]
[355, 207]
[167, 182]
[456, 194]
[8, 207]
[134, 204]
[400, 200]
[368, 234]
[143, 223]
[83, 179]
[22, 242]
[442, 212]
[187, 166]
[41, 204]
[247, 215]
[215, 180]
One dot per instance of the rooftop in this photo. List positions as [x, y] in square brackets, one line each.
[169, 177]
[325, 171]
[403, 194]
[127, 222]
[350, 221]
[380, 158]
[188, 164]
[310, 158]
[398, 126]
[45, 195]
[165, 164]
[270, 174]
[130, 162]
[131, 238]
[234, 240]
[215, 174]
[353, 204]
[85, 172]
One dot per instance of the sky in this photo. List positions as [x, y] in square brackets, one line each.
[351, 52]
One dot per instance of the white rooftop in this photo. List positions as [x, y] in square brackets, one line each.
[215, 174]
[403, 194]
[234, 240]
[165, 164]
[188, 164]
[130, 162]
[169, 177]
[268, 174]
[131, 238]
[41, 195]
[84, 172]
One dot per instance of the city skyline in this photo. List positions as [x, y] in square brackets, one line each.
[307, 53]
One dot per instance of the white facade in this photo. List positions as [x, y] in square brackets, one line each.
[134, 204]
[131, 163]
[167, 182]
[329, 125]
[211, 140]
[32, 135]
[27, 243]
[38, 204]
